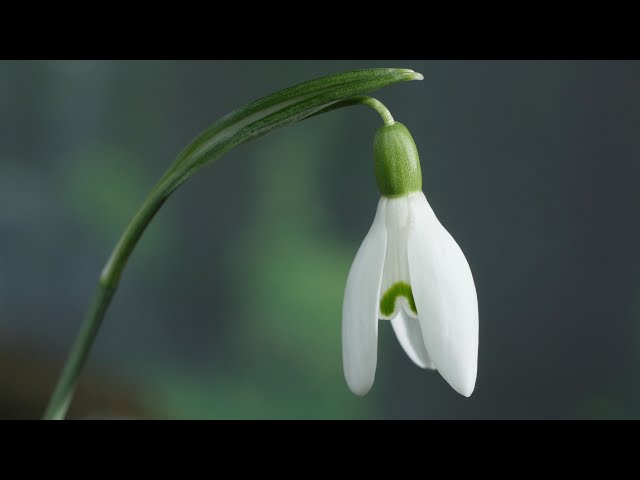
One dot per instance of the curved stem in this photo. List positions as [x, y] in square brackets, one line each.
[374, 103]
[250, 122]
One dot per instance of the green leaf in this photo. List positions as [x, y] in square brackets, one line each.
[275, 111]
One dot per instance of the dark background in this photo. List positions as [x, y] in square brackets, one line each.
[231, 305]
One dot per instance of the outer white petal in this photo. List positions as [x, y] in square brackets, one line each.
[360, 307]
[445, 297]
[409, 335]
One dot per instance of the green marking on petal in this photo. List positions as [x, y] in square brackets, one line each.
[388, 300]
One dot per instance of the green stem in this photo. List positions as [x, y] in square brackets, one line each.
[374, 103]
[109, 279]
[63, 393]
[247, 123]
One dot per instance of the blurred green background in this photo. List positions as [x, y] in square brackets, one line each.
[231, 305]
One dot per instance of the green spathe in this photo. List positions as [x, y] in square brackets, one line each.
[388, 300]
[397, 163]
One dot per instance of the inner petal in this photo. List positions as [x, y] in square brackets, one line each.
[395, 292]
[409, 334]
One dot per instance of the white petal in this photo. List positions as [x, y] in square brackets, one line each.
[396, 264]
[360, 308]
[445, 297]
[409, 335]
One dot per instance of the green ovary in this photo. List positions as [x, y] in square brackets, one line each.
[388, 300]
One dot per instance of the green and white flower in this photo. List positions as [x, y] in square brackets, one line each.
[409, 270]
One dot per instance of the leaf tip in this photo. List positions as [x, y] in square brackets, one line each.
[413, 75]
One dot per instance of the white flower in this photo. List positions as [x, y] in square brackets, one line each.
[409, 270]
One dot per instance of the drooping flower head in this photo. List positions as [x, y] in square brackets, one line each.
[409, 270]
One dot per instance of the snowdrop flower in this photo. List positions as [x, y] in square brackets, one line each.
[409, 270]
